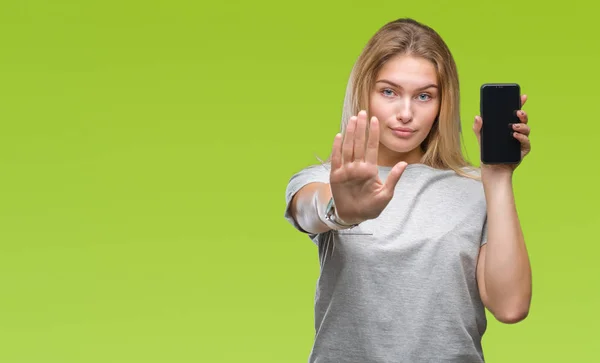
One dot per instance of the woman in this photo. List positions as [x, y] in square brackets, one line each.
[424, 242]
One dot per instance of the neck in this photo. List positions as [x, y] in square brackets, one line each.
[387, 157]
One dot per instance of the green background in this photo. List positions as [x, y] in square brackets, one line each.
[145, 148]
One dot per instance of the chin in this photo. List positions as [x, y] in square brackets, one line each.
[401, 146]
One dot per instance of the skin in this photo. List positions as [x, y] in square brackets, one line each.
[405, 95]
[504, 270]
[412, 101]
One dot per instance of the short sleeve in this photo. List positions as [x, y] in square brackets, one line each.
[312, 174]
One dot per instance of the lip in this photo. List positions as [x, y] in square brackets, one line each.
[402, 132]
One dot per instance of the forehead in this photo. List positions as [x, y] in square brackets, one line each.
[408, 70]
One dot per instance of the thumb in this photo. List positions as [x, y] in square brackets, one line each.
[477, 127]
[394, 176]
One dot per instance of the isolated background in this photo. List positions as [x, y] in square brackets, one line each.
[145, 148]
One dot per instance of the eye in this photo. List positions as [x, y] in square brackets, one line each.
[424, 97]
[387, 92]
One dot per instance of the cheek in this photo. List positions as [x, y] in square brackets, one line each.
[373, 106]
[380, 109]
[430, 114]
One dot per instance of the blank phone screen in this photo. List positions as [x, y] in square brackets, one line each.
[499, 104]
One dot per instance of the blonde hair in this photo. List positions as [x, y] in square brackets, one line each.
[442, 147]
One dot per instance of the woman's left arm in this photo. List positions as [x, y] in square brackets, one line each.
[503, 269]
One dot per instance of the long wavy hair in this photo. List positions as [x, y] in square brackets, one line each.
[442, 147]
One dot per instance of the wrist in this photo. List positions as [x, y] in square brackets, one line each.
[333, 219]
[496, 174]
[497, 187]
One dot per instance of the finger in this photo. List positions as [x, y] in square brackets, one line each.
[522, 115]
[372, 141]
[359, 138]
[336, 152]
[522, 129]
[394, 176]
[523, 100]
[477, 125]
[348, 144]
[524, 140]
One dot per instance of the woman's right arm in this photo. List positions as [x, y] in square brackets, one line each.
[308, 205]
[354, 182]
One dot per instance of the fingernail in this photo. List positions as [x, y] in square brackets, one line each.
[516, 126]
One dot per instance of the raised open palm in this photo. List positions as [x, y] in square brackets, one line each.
[357, 190]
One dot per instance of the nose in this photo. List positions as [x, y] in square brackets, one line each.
[404, 112]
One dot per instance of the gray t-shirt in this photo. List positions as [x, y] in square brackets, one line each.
[402, 287]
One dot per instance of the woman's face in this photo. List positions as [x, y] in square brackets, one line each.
[405, 99]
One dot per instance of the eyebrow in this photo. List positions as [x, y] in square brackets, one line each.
[432, 85]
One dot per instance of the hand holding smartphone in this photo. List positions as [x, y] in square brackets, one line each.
[499, 103]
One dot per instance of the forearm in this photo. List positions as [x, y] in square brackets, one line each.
[308, 205]
[507, 270]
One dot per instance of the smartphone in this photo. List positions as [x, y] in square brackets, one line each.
[499, 103]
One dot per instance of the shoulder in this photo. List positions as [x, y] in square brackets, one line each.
[471, 184]
[317, 173]
[315, 170]
[472, 171]
[471, 174]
